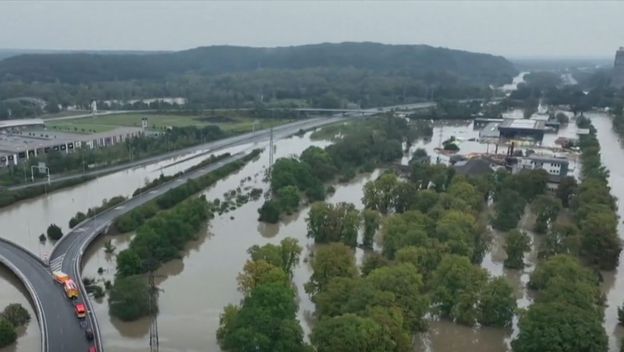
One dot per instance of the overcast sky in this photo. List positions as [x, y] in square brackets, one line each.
[513, 29]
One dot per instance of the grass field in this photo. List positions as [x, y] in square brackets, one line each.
[228, 121]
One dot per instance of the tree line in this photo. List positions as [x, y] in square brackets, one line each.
[361, 147]
[265, 320]
[324, 75]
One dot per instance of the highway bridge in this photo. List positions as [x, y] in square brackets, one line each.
[61, 331]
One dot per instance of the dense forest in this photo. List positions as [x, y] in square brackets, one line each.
[322, 75]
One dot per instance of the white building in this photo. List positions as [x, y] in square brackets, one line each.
[557, 167]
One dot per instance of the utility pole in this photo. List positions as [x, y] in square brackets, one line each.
[271, 151]
[153, 339]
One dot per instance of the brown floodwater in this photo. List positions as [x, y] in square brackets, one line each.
[612, 153]
[12, 291]
[24, 221]
[197, 287]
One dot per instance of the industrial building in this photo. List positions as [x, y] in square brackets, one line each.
[522, 129]
[18, 143]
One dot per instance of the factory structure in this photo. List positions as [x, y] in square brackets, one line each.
[516, 144]
[21, 140]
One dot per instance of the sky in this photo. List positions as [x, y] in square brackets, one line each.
[508, 28]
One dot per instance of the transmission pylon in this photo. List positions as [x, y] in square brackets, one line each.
[153, 296]
[271, 152]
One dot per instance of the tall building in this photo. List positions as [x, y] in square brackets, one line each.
[617, 80]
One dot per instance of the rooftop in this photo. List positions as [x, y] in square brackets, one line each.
[524, 124]
[20, 123]
[490, 131]
[473, 167]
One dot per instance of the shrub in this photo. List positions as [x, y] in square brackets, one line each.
[7, 333]
[54, 232]
[16, 314]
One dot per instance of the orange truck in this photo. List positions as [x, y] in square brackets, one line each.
[71, 290]
[60, 277]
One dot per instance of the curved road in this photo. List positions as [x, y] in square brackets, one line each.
[60, 330]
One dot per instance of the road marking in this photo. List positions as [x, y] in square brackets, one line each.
[57, 263]
[119, 207]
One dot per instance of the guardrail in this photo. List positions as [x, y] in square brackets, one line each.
[83, 290]
[41, 318]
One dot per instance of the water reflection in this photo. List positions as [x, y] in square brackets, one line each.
[12, 291]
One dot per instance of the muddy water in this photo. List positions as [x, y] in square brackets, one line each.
[23, 222]
[12, 291]
[197, 287]
[612, 153]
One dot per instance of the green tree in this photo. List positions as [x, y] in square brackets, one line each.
[405, 283]
[497, 304]
[260, 272]
[546, 208]
[320, 162]
[554, 326]
[265, 322]
[350, 333]
[16, 314]
[54, 232]
[7, 333]
[509, 208]
[129, 263]
[566, 190]
[288, 199]
[269, 212]
[408, 229]
[457, 284]
[285, 255]
[516, 243]
[600, 244]
[381, 194]
[426, 259]
[330, 261]
[333, 223]
[371, 220]
[563, 238]
[372, 261]
[129, 298]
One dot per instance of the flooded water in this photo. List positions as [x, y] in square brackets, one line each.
[612, 153]
[510, 87]
[23, 222]
[12, 291]
[197, 287]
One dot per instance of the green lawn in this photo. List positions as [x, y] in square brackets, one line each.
[228, 121]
